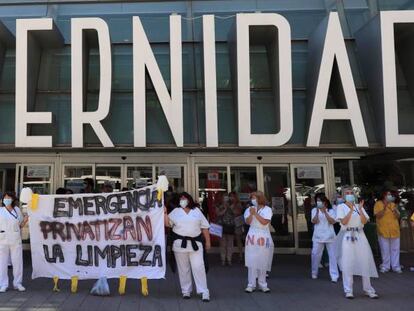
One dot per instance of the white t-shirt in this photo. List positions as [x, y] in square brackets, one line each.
[265, 212]
[10, 225]
[323, 231]
[189, 225]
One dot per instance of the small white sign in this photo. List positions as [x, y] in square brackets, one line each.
[170, 171]
[216, 230]
[213, 176]
[38, 171]
[338, 179]
[278, 205]
[309, 172]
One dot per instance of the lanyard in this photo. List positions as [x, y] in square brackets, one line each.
[15, 216]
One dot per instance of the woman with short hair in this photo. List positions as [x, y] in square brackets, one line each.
[11, 223]
[259, 244]
[388, 228]
[353, 250]
[189, 227]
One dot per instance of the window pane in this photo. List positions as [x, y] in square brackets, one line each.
[108, 175]
[73, 177]
[277, 192]
[309, 180]
[243, 181]
[175, 175]
[139, 176]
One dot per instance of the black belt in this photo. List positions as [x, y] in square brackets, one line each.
[184, 240]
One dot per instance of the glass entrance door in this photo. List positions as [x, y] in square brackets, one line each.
[276, 181]
[309, 181]
[38, 177]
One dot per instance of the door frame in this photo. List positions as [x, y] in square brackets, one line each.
[299, 250]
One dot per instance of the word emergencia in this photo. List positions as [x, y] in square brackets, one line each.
[375, 44]
[90, 236]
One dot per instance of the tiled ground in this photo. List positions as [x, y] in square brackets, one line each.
[292, 289]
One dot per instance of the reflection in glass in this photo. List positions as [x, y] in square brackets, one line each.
[277, 192]
[139, 176]
[309, 180]
[108, 175]
[73, 177]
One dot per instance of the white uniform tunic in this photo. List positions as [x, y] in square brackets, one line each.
[259, 243]
[323, 231]
[188, 260]
[11, 245]
[188, 225]
[324, 235]
[353, 250]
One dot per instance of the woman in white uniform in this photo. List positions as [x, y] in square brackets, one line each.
[189, 226]
[11, 222]
[323, 218]
[353, 250]
[259, 244]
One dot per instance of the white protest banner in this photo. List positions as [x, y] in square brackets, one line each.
[96, 235]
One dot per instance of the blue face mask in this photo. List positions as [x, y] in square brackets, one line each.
[340, 200]
[350, 198]
[390, 198]
[319, 204]
[7, 202]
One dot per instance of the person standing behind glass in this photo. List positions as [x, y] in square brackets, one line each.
[238, 222]
[225, 218]
[353, 251]
[259, 244]
[323, 218]
[11, 223]
[388, 229]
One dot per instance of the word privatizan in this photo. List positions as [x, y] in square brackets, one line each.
[112, 229]
[116, 203]
[328, 47]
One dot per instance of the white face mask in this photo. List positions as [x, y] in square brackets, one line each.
[184, 203]
[254, 202]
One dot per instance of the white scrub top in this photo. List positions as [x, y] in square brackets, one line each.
[265, 212]
[323, 231]
[189, 225]
[10, 226]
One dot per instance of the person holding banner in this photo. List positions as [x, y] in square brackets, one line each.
[259, 244]
[11, 222]
[189, 226]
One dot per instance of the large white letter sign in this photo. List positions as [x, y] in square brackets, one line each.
[25, 89]
[333, 47]
[244, 21]
[210, 80]
[389, 77]
[143, 57]
[94, 118]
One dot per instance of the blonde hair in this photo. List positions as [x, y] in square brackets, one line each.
[260, 197]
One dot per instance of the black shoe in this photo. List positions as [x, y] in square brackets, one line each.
[186, 296]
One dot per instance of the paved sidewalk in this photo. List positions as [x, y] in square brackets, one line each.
[292, 289]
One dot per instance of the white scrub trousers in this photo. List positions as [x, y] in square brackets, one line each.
[188, 262]
[256, 274]
[317, 251]
[16, 253]
[390, 253]
[348, 282]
